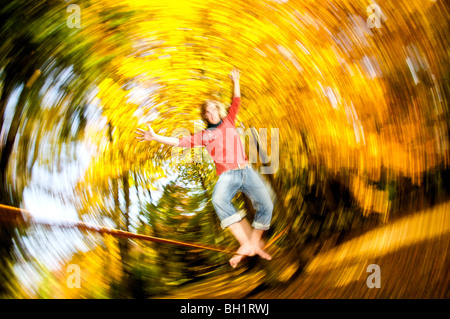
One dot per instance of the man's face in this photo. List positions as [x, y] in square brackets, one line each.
[212, 113]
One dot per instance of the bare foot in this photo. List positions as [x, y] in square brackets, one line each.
[248, 250]
[260, 252]
[244, 250]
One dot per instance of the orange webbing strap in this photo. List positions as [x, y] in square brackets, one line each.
[275, 238]
[14, 213]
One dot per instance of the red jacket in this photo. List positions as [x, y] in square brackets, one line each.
[222, 143]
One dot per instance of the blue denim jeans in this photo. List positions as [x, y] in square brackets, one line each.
[248, 182]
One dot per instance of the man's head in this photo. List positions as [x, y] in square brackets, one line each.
[213, 111]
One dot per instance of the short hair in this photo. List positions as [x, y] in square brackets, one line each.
[220, 106]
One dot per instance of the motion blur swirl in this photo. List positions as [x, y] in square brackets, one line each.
[357, 91]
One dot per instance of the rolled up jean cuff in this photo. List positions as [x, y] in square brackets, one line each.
[232, 219]
[260, 226]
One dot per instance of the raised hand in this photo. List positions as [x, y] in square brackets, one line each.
[148, 135]
[235, 74]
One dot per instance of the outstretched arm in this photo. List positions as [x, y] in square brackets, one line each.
[150, 135]
[235, 75]
[232, 111]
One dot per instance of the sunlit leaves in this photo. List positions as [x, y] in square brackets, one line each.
[369, 104]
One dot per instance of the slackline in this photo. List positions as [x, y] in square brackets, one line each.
[22, 215]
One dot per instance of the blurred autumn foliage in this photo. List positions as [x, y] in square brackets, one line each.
[362, 115]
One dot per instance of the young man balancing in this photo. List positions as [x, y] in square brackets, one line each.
[235, 173]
